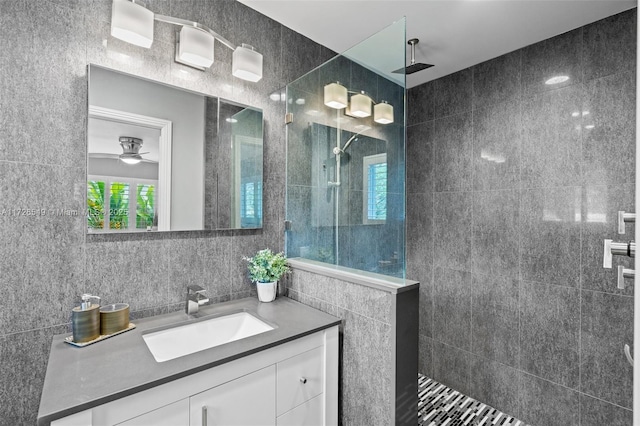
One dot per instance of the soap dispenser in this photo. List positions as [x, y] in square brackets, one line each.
[85, 320]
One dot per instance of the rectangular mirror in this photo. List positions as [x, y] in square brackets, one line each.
[161, 158]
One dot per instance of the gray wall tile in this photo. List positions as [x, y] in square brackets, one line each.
[494, 384]
[420, 103]
[497, 133]
[550, 332]
[495, 233]
[551, 138]
[609, 130]
[451, 366]
[452, 307]
[495, 319]
[425, 355]
[453, 146]
[497, 80]
[550, 236]
[452, 229]
[569, 167]
[595, 412]
[453, 93]
[545, 403]
[554, 57]
[606, 328]
[610, 45]
[420, 158]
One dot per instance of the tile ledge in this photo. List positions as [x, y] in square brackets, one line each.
[368, 279]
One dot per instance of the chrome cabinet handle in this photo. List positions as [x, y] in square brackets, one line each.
[303, 380]
[204, 415]
[627, 352]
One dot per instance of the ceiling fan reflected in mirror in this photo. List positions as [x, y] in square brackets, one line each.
[131, 150]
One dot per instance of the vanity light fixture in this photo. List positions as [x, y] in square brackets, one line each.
[383, 113]
[247, 63]
[133, 23]
[337, 96]
[360, 105]
[194, 47]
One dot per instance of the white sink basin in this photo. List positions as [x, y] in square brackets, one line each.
[198, 336]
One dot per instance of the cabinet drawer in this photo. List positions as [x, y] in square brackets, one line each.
[171, 415]
[299, 379]
[307, 414]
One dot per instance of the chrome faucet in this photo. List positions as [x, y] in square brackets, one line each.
[195, 298]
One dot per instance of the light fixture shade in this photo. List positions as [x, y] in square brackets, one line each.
[131, 159]
[383, 113]
[360, 105]
[247, 63]
[132, 23]
[335, 96]
[196, 47]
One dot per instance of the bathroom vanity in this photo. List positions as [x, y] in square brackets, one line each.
[284, 376]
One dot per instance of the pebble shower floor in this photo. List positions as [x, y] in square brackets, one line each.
[439, 405]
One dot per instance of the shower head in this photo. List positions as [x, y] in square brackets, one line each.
[413, 67]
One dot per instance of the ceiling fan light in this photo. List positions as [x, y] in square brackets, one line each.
[130, 159]
[247, 63]
[132, 23]
[196, 47]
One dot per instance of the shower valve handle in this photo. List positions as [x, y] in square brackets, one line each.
[612, 248]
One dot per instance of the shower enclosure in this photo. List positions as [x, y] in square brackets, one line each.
[346, 158]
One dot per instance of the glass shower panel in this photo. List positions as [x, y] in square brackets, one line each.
[346, 169]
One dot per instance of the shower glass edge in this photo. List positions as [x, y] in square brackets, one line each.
[345, 176]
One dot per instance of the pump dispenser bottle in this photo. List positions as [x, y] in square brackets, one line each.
[85, 320]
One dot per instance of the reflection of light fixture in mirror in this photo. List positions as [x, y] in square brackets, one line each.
[132, 23]
[557, 79]
[247, 63]
[360, 105]
[383, 113]
[335, 95]
[231, 120]
[130, 150]
[194, 47]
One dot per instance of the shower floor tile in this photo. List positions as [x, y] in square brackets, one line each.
[439, 405]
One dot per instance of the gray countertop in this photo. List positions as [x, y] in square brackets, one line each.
[81, 378]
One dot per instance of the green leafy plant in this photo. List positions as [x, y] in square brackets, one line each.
[266, 266]
[146, 206]
[95, 204]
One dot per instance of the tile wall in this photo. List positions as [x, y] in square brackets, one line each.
[512, 185]
[47, 261]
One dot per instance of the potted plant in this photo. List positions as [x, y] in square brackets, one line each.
[265, 269]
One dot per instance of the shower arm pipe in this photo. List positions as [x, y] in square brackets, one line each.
[187, 23]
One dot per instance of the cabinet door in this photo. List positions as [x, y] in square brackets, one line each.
[248, 400]
[307, 414]
[170, 415]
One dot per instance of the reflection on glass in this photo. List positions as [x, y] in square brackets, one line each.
[346, 156]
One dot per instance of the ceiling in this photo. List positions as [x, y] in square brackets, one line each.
[454, 34]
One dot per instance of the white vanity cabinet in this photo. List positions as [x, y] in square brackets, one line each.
[294, 383]
[249, 400]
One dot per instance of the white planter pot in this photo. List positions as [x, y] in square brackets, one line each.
[267, 291]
